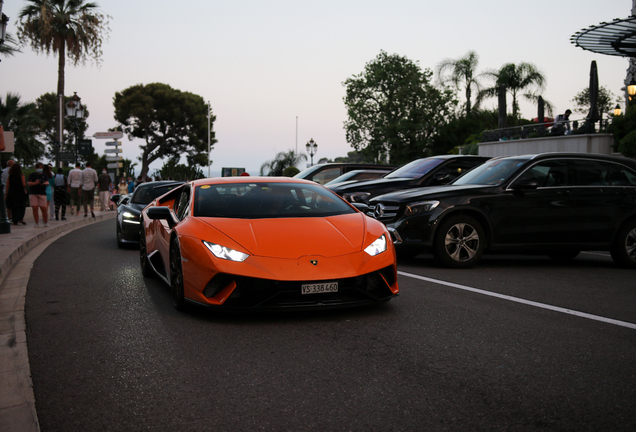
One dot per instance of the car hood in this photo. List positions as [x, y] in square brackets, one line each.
[426, 192]
[292, 238]
[370, 184]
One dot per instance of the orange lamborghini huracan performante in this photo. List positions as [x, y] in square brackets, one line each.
[265, 242]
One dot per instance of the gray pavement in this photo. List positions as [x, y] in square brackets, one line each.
[18, 251]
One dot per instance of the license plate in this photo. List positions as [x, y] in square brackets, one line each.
[320, 288]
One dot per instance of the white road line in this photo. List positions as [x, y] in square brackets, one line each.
[522, 301]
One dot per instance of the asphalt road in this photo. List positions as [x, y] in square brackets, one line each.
[108, 351]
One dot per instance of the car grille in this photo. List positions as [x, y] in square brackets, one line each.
[264, 293]
[383, 212]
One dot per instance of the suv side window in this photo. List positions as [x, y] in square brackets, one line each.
[182, 204]
[326, 175]
[549, 173]
[622, 176]
[453, 169]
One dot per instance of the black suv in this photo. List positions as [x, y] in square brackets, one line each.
[431, 171]
[554, 203]
[324, 173]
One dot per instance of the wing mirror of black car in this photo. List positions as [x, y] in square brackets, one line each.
[161, 213]
[441, 178]
[361, 207]
[115, 198]
[525, 184]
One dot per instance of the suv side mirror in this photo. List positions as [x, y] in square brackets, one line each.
[441, 178]
[525, 184]
[115, 198]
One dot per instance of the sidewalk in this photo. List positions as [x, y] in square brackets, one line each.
[17, 403]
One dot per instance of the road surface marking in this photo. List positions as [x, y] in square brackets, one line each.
[522, 301]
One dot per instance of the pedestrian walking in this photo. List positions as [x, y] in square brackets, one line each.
[37, 182]
[88, 180]
[74, 177]
[131, 186]
[61, 186]
[104, 183]
[16, 193]
[5, 176]
[49, 189]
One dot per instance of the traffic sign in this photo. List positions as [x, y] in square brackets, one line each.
[66, 157]
[115, 150]
[112, 143]
[108, 135]
[115, 165]
[85, 147]
[113, 158]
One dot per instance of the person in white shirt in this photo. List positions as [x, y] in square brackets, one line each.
[74, 177]
[88, 180]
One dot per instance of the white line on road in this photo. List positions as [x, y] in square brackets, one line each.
[522, 301]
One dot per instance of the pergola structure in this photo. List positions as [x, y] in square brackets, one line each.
[616, 38]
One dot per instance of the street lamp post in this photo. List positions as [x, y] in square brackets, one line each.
[312, 149]
[75, 109]
[5, 225]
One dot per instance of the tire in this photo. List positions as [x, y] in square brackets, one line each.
[146, 268]
[624, 247]
[459, 242]
[120, 244]
[564, 255]
[176, 276]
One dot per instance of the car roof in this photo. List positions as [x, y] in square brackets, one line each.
[250, 179]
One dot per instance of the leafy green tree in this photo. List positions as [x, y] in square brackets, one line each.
[605, 104]
[394, 111]
[516, 78]
[128, 168]
[290, 171]
[172, 170]
[47, 106]
[462, 131]
[283, 160]
[23, 120]
[172, 123]
[461, 72]
[69, 28]
[10, 46]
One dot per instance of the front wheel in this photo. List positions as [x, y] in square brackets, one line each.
[459, 242]
[176, 276]
[624, 248]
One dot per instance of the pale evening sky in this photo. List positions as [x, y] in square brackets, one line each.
[263, 63]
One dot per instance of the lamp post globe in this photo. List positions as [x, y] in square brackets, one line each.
[312, 149]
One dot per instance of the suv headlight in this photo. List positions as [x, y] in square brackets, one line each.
[359, 197]
[377, 247]
[225, 253]
[420, 207]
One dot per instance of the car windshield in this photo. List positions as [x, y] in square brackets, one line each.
[145, 193]
[267, 200]
[415, 169]
[492, 173]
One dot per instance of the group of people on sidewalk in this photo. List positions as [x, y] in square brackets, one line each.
[45, 189]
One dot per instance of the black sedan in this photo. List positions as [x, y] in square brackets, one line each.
[129, 208]
[431, 171]
[554, 203]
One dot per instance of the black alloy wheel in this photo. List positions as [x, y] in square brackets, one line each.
[459, 242]
[176, 275]
[146, 269]
[624, 248]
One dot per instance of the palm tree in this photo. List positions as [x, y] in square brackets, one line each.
[72, 28]
[461, 71]
[10, 46]
[516, 78]
[23, 120]
[282, 160]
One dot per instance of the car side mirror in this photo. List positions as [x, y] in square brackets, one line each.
[525, 184]
[361, 207]
[441, 178]
[161, 213]
[115, 198]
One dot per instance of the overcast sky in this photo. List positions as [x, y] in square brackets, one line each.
[263, 63]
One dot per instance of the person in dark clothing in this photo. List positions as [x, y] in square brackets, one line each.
[59, 191]
[16, 194]
[37, 182]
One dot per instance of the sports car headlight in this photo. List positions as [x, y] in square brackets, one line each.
[377, 247]
[130, 218]
[357, 197]
[225, 253]
[420, 207]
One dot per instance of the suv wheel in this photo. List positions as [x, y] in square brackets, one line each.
[459, 242]
[624, 248]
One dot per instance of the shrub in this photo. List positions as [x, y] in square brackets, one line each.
[627, 145]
